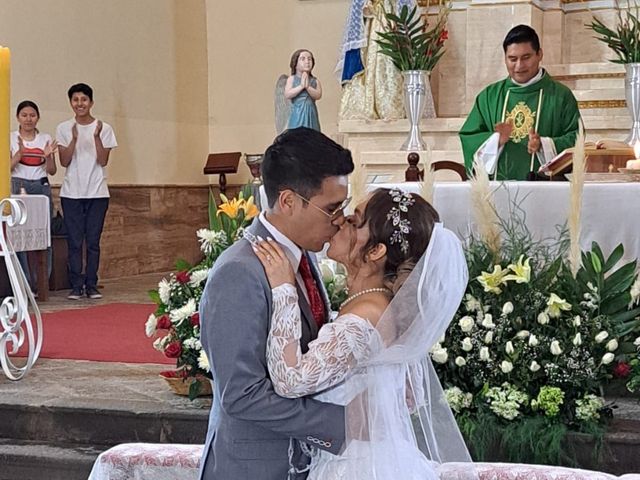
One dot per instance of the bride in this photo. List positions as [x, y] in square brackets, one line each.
[406, 275]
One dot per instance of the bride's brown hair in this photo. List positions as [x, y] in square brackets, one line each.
[422, 217]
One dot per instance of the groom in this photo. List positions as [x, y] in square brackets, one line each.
[254, 433]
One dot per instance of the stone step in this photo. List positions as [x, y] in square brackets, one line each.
[95, 426]
[585, 70]
[594, 83]
[40, 461]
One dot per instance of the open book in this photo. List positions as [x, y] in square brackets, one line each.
[600, 155]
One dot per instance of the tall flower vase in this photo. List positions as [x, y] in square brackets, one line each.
[632, 94]
[417, 92]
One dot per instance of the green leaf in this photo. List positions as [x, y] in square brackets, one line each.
[182, 265]
[214, 221]
[194, 389]
[154, 296]
[595, 261]
[614, 258]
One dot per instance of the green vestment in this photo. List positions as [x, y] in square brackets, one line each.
[559, 117]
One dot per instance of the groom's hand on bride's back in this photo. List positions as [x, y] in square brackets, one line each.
[275, 262]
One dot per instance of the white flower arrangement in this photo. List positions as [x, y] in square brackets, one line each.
[532, 340]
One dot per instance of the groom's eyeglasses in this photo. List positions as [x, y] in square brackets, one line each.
[334, 213]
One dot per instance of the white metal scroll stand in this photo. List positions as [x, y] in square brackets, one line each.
[16, 325]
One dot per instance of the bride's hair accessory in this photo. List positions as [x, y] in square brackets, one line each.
[402, 226]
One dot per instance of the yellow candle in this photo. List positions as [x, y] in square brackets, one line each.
[5, 153]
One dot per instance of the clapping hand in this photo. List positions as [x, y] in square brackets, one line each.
[74, 131]
[504, 129]
[275, 262]
[20, 146]
[534, 142]
[98, 129]
[50, 148]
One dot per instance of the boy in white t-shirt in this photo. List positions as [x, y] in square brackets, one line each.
[84, 143]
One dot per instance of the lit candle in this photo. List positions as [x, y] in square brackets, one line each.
[5, 153]
[635, 163]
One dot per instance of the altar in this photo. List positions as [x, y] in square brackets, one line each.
[609, 210]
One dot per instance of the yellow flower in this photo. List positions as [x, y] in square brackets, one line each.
[250, 208]
[555, 306]
[492, 281]
[230, 207]
[521, 270]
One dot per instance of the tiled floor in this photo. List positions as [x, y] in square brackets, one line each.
[121, 290]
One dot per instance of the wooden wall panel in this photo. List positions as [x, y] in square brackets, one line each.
[148, 227]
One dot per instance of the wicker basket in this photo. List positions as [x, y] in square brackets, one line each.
[180, 386]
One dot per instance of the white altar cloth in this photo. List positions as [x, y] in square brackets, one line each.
[149, 461]
[35, 234]
[610, 211]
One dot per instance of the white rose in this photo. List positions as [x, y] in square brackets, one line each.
[612, 345]
[602, 336]
[534, 367]
[340, 282]
[467, 346]
[577, 340]
[555, 348]
[487, 322]
[460, 361]
[507, 308]
[506, 366]
[576, 321]
[543, 318]
[509, 348]
[608, 358]
[488, 338]
[326, 271]
[466, 324]
[484, 354]
[533, 341]
[440, 355]
[522, 334]
[636, 342]
[150, 326]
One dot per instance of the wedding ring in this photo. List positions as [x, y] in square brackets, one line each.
[269, 258]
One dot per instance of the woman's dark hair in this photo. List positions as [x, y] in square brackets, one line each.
[422, 217]
[299, 160]
[294, 60]
[80, 88]
[522, 34]
[25, 104]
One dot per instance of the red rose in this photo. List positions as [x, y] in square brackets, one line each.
[195, 319]
[163, 323]
[173, 350]
[183, 277]
[622, 370]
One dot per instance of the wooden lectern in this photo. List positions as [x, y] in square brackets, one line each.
[221, 164]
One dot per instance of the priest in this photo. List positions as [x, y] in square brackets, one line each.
[522, 122]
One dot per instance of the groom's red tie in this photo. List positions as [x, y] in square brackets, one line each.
[315, 299]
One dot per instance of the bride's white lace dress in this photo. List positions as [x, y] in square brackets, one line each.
[331, 358]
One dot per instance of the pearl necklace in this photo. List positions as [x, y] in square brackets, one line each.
[363, 292]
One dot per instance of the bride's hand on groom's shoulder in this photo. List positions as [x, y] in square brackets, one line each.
[275, 262]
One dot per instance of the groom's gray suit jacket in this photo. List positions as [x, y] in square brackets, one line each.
[249, 425]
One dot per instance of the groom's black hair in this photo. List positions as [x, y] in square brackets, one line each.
[299, 160]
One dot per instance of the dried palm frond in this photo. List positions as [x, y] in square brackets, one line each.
[426, 186]
[576, 186]
[484, 209]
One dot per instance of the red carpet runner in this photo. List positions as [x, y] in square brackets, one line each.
[104, 333]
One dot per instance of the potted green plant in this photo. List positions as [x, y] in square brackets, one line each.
[624, 40]
[415, 48]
